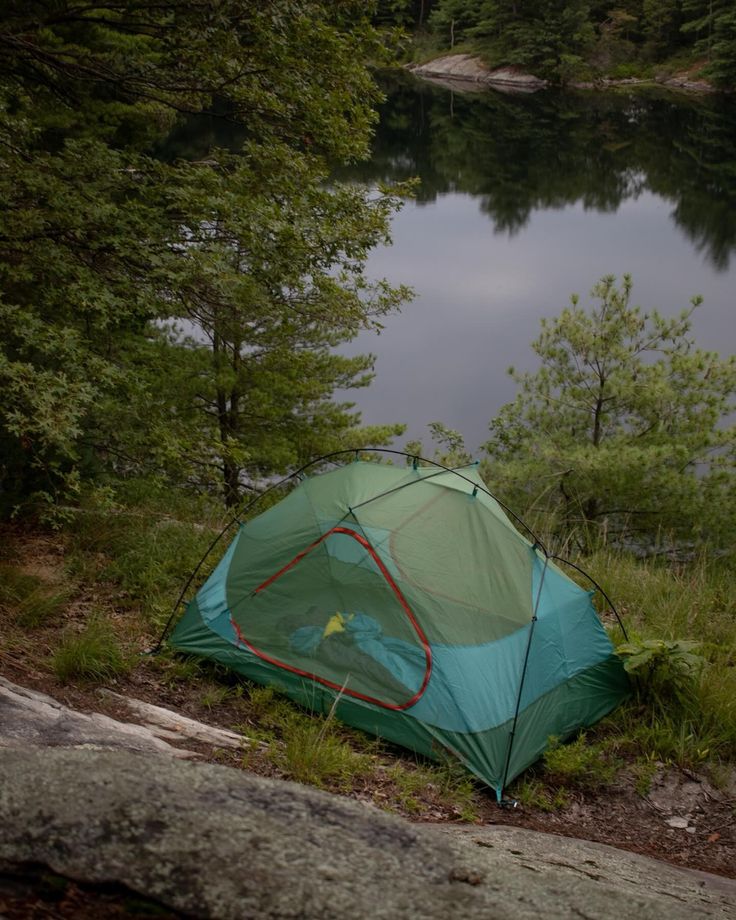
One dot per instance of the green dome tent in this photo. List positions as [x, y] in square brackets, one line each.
[407, 595]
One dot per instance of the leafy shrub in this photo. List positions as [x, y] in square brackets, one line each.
[665, 671]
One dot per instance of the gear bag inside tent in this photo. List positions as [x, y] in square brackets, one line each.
[406, 599]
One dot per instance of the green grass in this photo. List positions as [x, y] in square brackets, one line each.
[691, 601]
[319, 751]
[40, 607]
[175, 669]
[29, 600]
[580, 763]
[315, 754]
[215, 695]
[644, 771]
[15, 585]
[148, 546]
[305, 747]
[695, 600]
[271, 711]
[532, 791]
[94, 655]
[446, 783]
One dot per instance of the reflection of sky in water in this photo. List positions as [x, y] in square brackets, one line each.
[480, 297]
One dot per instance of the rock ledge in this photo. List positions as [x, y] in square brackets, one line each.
[210, 841]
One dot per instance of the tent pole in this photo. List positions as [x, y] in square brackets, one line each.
[532, 624]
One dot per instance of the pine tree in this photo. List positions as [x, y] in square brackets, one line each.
[624, 427]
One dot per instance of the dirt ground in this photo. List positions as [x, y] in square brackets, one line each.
[683, 818]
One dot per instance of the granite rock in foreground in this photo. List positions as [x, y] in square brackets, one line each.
[210, 841]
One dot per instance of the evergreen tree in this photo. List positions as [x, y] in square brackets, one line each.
[722, 69]
[542, 36]
[624, 428]
[455, 20]
[272, 278]
[661, 21]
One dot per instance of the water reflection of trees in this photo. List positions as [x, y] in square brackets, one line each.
[518, 154]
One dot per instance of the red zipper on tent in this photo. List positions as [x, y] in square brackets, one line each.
[399, 596]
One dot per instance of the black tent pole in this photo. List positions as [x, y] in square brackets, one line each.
[532, 624]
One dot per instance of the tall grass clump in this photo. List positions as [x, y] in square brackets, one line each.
[93, 655]
[580, 764]
[305, 747]
[695, 599]
[15, 586]
[315, 754]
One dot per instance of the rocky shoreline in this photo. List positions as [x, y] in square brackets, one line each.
[468, 72]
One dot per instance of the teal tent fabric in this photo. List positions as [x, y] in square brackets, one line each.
[408, 600]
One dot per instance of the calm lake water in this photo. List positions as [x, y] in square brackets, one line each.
[525, 200]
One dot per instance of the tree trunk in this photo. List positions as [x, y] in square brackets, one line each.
[228, 407]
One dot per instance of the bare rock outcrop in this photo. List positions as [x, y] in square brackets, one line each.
[32, 719]
[211, 841]
[466, 70]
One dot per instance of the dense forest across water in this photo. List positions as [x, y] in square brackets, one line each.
[582, 39]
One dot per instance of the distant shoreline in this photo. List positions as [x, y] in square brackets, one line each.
[466, 72]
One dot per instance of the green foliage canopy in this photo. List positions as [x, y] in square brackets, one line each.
[101, 240]
[271, 282]
[540, 35]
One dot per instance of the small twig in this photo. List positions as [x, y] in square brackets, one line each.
[651, 804]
